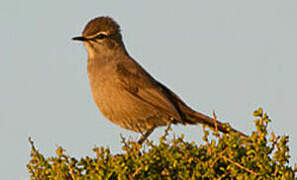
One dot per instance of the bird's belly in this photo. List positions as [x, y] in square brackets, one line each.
[126, 110]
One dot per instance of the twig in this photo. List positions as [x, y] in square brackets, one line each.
[137, 171]
[239, 165]
[215, 123]
[221, 177]
[206, 140]
[124, 141]
[167, 129]
[71, 171]
[220, 156]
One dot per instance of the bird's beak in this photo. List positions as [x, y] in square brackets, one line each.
[79, 38]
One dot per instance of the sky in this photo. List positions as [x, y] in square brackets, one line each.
[229, 56]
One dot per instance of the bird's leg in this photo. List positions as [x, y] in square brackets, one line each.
[145, 135]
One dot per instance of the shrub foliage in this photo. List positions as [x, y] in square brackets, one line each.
[227, 156]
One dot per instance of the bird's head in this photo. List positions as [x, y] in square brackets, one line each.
[101, 35]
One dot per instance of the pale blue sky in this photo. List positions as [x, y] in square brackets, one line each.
[230, 56]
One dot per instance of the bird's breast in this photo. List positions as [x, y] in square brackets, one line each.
[120, 105]
[103, 86]
[109, 96]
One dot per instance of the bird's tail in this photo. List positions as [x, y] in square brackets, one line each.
[194, 117]
[189, 116]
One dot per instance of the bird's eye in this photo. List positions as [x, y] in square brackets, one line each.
[101, 36]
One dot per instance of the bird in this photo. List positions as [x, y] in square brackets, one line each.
[125, 92]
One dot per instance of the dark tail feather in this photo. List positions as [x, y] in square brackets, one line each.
[194, 117]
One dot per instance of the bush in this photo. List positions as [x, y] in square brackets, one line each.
[226, 156]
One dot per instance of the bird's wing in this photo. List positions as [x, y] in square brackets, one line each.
[142, 86]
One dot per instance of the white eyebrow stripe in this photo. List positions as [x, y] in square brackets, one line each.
[95, 35]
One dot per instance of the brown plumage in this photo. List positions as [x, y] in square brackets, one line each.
[124, 92]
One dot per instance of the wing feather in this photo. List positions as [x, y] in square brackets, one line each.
[141, 85]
